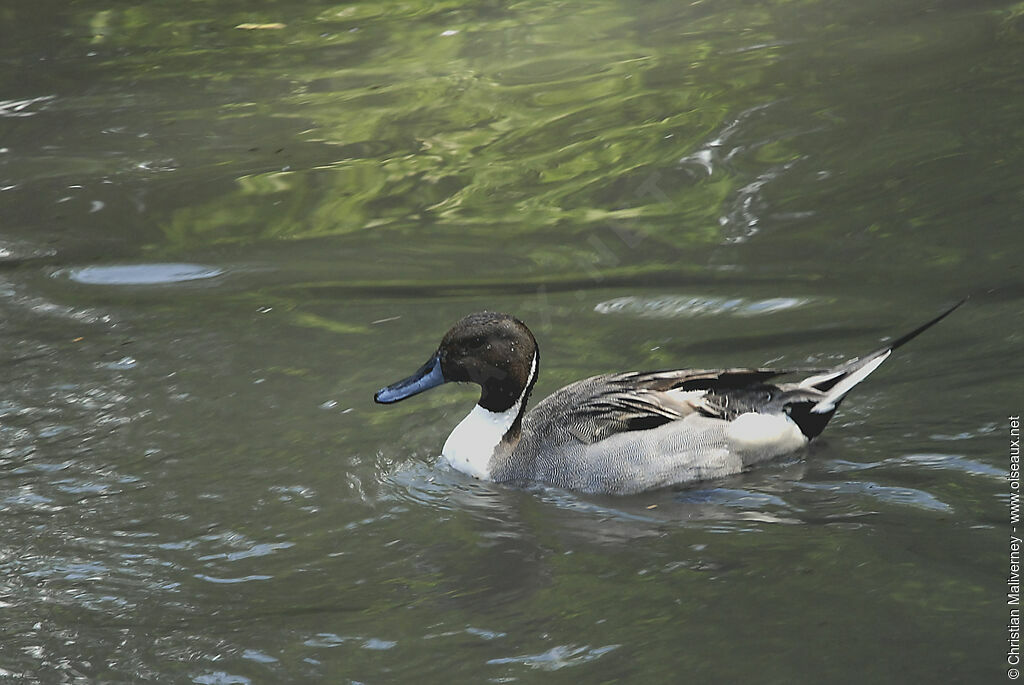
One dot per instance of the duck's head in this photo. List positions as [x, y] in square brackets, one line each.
[495, 351]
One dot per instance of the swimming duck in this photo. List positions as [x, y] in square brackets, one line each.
[623, 433]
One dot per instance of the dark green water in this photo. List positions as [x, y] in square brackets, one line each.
[217, 242]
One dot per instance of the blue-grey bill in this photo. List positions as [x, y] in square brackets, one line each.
[426, 377]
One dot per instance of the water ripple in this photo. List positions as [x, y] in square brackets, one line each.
[883, 493]
[140, 274]
[946, 462]
[232, 581]
[557, 657]
[24, 108]
[672, 306]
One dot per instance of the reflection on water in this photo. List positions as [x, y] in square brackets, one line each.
[197, 487]
[778, 494]
[557, 657]
[24, 108]
[141, 274]
[683, 305]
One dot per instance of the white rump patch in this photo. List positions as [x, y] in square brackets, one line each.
[762, 436]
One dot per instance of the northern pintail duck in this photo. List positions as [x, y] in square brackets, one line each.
[623, 433]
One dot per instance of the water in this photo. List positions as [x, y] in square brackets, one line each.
[217, 242]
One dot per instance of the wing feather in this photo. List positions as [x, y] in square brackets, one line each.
[596, 408]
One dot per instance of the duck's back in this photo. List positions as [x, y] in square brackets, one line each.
[611, 434]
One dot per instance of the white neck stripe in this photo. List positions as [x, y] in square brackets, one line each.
[471, 445]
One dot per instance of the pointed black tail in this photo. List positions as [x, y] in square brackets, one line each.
[812, 416]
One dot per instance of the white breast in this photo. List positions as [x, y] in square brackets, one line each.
[471, 445]
[756, 437]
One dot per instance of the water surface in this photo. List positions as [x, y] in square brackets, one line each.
[226, 224]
